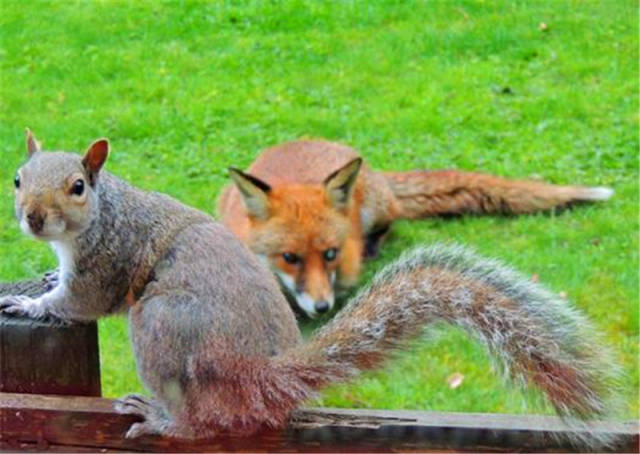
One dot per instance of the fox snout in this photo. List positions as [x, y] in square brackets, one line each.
[313, 297]
[314, 306]
[322, 306]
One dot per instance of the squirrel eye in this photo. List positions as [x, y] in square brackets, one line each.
[290, 258]
[16, 181]
[78, 187]
[330, 254]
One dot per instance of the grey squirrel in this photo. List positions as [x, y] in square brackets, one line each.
[215, 340]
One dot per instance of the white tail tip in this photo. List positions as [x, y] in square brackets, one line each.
[599, 193]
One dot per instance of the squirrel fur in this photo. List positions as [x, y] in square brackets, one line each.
[216, 342]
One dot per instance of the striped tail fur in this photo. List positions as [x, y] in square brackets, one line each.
[450, 192]
[533, 334]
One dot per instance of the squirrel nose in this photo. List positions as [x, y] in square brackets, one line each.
[35, 220]
[321, 306]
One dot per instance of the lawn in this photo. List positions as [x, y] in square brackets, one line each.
[539, 89]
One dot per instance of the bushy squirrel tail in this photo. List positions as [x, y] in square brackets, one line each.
[535, 335]
[450, 192]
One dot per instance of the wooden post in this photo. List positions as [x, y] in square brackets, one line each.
[42, 357]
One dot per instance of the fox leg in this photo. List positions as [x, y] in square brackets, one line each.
[450, 192]
[374, 239]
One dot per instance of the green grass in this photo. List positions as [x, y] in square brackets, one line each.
[186, 89]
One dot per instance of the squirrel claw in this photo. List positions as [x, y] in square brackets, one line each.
[133, 404]
[51, 279]
[15, 304]
[155, 420]
[138, 429]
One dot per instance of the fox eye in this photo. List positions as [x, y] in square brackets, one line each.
[291, 258]
[16, 181]
[78, 187]
[330, 254]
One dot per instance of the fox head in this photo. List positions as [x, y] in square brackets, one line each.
[55, 192]
[300, 231]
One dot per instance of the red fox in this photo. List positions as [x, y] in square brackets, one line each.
[312, 210]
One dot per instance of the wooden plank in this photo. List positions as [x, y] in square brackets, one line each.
[80, 423]
[46, 358]
[34, 447]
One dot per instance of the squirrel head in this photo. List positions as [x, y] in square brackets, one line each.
[56, 193]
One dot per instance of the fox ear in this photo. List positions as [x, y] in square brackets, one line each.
[254, 191]
[94, 158]
[339, 185]
[32, 144]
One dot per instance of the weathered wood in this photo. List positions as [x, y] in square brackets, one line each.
[46, 358]
[34, 422]
[31, 288]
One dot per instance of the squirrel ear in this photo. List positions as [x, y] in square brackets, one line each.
[254, 191]
[95, 157]
[32, 144]
[339, 185]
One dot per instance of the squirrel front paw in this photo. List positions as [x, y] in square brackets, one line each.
[21, 305]
[51, 279]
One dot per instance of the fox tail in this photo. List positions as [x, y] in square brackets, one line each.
[450, 192]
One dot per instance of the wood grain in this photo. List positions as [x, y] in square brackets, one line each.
[32, 288]
[46, 358]
[35, 422]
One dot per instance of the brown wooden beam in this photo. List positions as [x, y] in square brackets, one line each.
[36, 423]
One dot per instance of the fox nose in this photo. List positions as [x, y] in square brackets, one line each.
[35, 220]
[321, 306]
